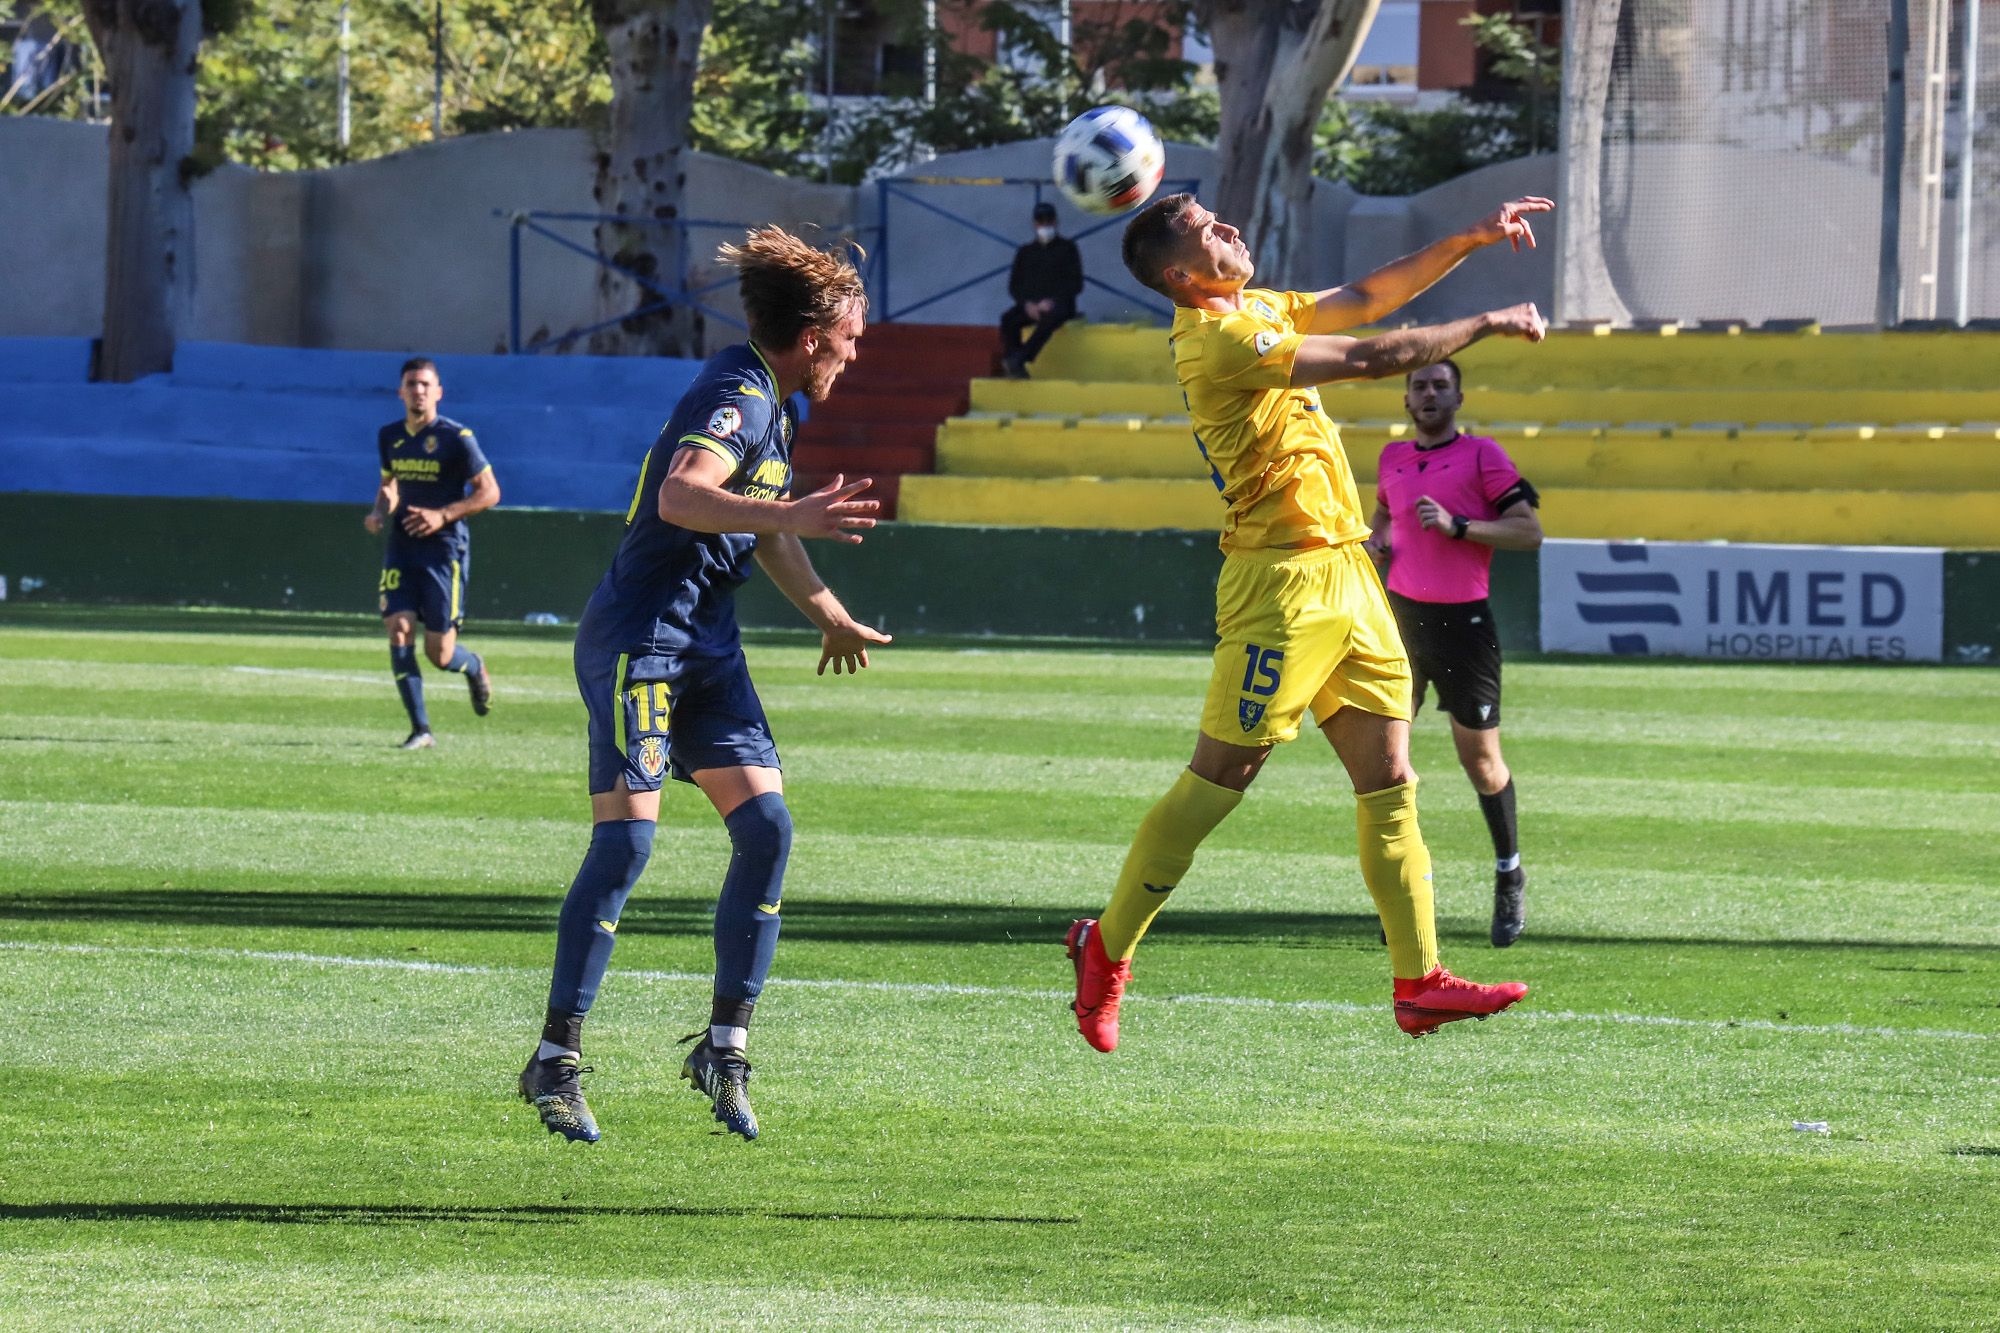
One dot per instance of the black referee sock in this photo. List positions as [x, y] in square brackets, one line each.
[1499, 811]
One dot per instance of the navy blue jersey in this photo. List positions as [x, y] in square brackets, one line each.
[671, 592]
[431, 468]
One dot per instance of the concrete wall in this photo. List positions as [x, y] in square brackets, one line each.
[405, 253]
[52, 216]
[947, 252]
[1381, 229]
[401, 253]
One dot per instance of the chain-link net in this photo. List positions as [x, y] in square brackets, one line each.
[1737, 159]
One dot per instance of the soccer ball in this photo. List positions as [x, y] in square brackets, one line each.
[1108, 160]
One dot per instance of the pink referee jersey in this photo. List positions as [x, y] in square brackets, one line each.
[1466, 475]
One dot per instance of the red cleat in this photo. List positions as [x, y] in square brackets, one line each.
[1429, 1002]
[1100, 985]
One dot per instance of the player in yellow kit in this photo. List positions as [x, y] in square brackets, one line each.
[1300, 614]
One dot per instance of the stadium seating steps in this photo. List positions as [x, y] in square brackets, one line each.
[1857, 438]
[271, 423]
[1798, 436]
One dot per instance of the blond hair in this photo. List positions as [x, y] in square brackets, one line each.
[788, 286]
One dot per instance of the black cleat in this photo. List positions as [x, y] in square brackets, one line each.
[480, 682]
[722, 1076]
[551, 1086]
[1508, 914]
[418, 740]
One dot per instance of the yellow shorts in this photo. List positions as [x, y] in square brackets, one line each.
[1301, 629]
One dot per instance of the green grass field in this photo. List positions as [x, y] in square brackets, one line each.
[270, 981]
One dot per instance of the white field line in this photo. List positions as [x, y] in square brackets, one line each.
[372, 678]
[999, 992]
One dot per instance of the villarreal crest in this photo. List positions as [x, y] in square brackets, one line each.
[652, 756]
[1249, 714]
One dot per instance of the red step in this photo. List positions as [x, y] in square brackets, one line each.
[866, 459]
[820, 433]
[881, 419]
[886, 487]
[851, 404]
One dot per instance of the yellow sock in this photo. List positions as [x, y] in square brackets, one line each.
[1397, 867]
[1160, 855]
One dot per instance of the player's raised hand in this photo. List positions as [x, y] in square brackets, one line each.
[1509, 222]
[831, 512]
[1518, 321]
[846, 646]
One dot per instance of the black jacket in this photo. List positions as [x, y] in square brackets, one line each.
[1042, 271]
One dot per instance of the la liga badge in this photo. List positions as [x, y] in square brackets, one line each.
[724, 422]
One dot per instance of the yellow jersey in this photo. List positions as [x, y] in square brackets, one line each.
[1270, 448]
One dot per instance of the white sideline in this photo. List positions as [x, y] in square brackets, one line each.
[1000, 992]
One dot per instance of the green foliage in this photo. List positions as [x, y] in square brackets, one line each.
[751, 102]
[1516, 56]
[1034, 92]
[73, 94]
[1382, 148]
[269, 96]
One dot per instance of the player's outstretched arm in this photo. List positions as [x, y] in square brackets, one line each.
[1325, 359]
[691, 497]
[843, 640]
[1394, 285]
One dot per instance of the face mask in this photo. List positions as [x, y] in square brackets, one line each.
[1045, 234]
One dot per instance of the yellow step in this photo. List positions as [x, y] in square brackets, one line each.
[1892, 518]
[1754, 460]
[1632, 360]
[1383, 400]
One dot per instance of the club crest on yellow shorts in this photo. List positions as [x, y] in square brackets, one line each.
[1301, 630]
[652, 756]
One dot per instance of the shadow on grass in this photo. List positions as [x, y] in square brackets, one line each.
[148, 619]
[88, 739]
[806, 918]
[393, 1214]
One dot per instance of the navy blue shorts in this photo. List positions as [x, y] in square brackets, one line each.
[430, 587]
[651, 716]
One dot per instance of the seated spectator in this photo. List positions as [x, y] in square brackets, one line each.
[1047, 279]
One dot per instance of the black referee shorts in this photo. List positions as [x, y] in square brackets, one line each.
[1456, 647]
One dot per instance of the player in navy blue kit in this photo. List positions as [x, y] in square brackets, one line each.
[662, 673]
[427, 463]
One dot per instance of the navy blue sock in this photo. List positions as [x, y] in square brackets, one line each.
[587, 927]
[410, 684]
[746, 916]
[464, 661]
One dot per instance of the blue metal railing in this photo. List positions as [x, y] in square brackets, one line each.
[892, 187]
[531, 220]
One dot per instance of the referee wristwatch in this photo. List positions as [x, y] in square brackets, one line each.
[1459, 523]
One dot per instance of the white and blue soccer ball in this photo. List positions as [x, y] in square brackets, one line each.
[1108, 160]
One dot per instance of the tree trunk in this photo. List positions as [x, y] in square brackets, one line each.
[641, 172]
[149, 48]
[1584, 290]
[1275, 63]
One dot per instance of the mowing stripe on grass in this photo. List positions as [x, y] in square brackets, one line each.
[999, 992]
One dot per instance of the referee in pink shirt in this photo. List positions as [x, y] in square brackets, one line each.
[1443, 502]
